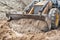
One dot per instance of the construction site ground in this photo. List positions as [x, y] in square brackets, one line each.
[23, 29]
[14, 30]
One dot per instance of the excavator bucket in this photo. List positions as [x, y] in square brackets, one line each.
[38, 12]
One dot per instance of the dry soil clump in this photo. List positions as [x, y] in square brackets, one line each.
[28, 25]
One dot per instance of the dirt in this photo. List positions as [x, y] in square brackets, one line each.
[23, 29]
[29, 25]
[8, 31]
[13, 6]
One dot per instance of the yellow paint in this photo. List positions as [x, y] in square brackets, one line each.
[57, 19]
[31, 11]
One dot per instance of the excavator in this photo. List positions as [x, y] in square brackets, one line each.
[46, 10]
